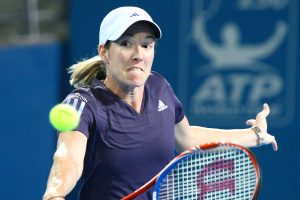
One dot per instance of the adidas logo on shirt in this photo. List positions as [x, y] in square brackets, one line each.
[161, 106]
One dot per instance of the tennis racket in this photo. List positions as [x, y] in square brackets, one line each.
[215, 171]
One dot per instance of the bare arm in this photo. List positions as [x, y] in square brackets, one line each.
[67, 164]
[187, 136]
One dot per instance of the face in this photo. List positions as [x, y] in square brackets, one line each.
[129, 59]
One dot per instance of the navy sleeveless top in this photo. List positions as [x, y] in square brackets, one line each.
[125, 149]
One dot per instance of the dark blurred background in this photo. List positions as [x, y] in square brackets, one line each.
[224, 59]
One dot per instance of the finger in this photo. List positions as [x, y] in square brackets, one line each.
[274, 144]
[264, 113]
[270, 139]
[251, 122]
[266, 109]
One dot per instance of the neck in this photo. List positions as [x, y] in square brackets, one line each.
[132, 96]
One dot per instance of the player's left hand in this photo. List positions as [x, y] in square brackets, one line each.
[261, 122]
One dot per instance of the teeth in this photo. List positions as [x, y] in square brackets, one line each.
[136, 69]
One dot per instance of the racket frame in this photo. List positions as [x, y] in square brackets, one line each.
[157, 178]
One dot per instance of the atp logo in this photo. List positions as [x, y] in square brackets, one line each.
[239, 57]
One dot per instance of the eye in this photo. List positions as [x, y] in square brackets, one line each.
[148, 44]
[124, 43]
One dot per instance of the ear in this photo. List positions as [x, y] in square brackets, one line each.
[103, 53]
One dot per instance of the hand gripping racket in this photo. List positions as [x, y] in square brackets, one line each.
[216, 171]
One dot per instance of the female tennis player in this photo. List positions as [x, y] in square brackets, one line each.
[130, 119]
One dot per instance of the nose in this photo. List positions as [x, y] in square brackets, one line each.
[138, 54]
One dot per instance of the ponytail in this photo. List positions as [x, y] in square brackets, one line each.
[83, 72]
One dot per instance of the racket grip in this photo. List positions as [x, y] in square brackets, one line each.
[141, 190]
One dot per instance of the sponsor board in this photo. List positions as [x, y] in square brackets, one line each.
[235, 56]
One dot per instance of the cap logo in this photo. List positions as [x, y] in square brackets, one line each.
[134, 15]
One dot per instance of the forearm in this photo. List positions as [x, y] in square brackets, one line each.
[187, 136]
[63, 177]
[245, 137]
[67, 164]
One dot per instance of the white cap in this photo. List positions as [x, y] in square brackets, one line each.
[117, 21]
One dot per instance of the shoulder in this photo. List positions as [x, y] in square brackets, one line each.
[155, 75]
[80, 94]
[157, 79]
[81, 99]
[157, 85]
[89, 93]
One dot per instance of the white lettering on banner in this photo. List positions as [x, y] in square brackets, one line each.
[242, 89]
[262, 4]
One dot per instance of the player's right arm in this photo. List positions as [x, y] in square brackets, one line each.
[67, 164]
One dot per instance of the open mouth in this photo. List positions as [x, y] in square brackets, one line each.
[135, 69]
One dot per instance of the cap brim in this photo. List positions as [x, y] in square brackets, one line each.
[117, 34]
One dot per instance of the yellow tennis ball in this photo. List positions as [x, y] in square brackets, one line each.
[64, 117]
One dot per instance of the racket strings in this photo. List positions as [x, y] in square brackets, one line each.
[215, 174]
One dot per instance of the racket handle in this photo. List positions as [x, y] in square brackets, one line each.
[141, 190]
